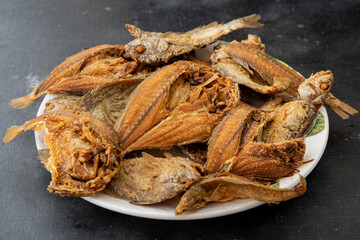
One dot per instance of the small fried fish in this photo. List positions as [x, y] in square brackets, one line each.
[149, 179]
[85, 71]
[227, 186]
[154, 47]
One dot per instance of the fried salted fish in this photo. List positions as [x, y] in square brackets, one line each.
[178, 104]
[84, 151]
[149, 179]
[154, 47]
[227, 186]
[85, 71]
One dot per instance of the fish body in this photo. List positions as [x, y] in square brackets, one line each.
[288, 121]
[83, 72]
[84, 151]
[153, 47]
[189, 101]
[149, 179]
[227, 186]
[240, 126]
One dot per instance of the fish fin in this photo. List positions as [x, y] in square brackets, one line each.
[12, 132]
[252, 21]
[245, 65]
[134, 31]
[168, 154]
[22, 102]
[339, 112]
[339, 107]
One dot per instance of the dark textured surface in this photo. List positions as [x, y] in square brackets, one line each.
[309, 35]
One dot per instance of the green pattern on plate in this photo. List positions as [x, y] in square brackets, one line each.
[276, 185]
[221, 41]
[319, 125]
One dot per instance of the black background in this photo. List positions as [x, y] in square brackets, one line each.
[35, 36]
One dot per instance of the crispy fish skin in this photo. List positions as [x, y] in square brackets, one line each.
[267, 160]
[149, 179]
[190, 101]
[84, 151]
[226, 186]
[275, 73]
[228, 67]
[63, 101]
[241, 126]
[147, 108]
[153, 47]
[289, 121]
[82, 72]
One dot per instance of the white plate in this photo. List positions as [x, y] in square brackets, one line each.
[315, 146]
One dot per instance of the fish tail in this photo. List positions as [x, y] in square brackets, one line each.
[339, 107]
[251, 21]
[12, 132]
[22, 102]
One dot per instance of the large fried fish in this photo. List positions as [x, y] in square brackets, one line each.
[149, 179]
[226, 186]
[178, 104]
[85, 71]
[84, 151]
[153, 47]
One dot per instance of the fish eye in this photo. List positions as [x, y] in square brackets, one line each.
[324, 86]
[140, 49]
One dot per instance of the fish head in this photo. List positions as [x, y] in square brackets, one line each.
[315, 89]
[147, 50]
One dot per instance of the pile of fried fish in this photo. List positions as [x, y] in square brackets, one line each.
[150, 121]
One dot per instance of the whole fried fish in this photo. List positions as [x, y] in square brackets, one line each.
[85, 71]
[178, 104]
[149, 179]
[84, 151]
[227, 186]
[153, 47]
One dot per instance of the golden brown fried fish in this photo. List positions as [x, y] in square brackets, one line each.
[85, 71]
[178, 104]
[154, 47]
[84, 151]
[149, 179]
[226, 186]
